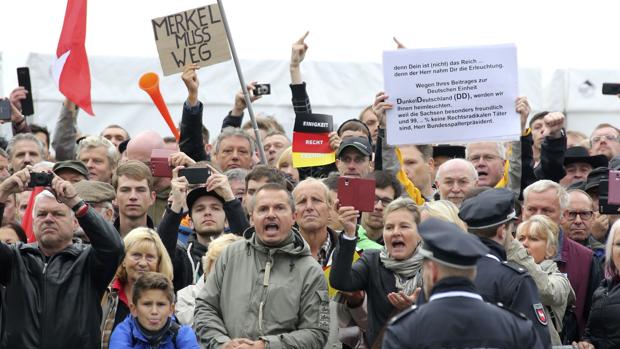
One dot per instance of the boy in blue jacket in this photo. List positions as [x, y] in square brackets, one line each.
[150, 325]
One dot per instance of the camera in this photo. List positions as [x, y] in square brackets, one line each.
[40, 179]
[262, 89]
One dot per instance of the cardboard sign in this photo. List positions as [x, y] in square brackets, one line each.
[451, 95]
[193, 36]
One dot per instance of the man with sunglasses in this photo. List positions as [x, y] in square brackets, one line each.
[579, 219]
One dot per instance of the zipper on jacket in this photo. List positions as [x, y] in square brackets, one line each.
[265, 288]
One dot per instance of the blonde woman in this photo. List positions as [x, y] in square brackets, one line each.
[534, 248]
[285, 164]
[144, 251]
[444, 210]
[186, 298]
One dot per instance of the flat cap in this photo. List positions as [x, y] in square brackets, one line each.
[446, 243]
[95, 191]
[360, 143]
[489, 208]
[74, 165]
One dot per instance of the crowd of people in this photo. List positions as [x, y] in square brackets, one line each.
[483, 245]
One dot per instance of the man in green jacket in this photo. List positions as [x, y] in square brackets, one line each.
[266, 291]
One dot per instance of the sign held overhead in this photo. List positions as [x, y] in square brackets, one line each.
[194, 36]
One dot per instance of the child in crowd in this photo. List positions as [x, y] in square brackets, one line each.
[150, 324]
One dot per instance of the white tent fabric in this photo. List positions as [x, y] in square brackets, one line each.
[338, 89]
[578, 94]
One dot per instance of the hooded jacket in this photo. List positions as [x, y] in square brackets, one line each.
[274, 293]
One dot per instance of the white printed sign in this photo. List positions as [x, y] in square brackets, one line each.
[451, 95]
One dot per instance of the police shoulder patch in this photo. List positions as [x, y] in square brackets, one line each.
[518, 314]
[403, 314]
[540, 313]
[514, 266]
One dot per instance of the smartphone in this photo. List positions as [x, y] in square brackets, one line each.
[611, 88]
[357, 192]
[262, 89]
[5, 109]
[159, 162]
[23, 79]
[604, 207]
[195, 175]
[613, 192]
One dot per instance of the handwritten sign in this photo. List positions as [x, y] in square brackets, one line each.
[193, 36]
[451, 95]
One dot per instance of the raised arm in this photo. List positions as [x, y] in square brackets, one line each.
[235, 116]
[65, 131]
[191, 142]
[342, 277]
[552, 149]
[237, 221]
[18, 121]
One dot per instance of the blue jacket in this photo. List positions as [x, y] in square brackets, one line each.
[128, 335]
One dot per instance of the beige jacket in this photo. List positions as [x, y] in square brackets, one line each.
[553, 287]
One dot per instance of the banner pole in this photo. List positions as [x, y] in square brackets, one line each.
[246, 94]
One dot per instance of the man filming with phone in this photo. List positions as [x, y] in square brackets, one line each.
[54, 286]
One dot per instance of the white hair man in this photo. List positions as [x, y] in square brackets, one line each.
[454, 179]
[489, 159]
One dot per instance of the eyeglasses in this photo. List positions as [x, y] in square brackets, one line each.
[610, 138]
[384, 201]
[572, 215]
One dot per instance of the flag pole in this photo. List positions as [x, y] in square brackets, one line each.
[246, 94]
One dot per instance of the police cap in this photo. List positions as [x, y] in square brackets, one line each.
[489, 208]
[446, 243]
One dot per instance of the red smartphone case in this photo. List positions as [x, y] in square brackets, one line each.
[357, 192]
[159, 162]
[613, 195]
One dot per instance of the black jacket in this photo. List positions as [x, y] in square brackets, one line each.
[55, 302]
[459, 321]
[551, 160]
[501, 282]
[366, 274]
[191, 142]
[603, 329]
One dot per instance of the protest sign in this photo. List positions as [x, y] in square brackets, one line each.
[193, 36]
[311, 140]
[451, 95]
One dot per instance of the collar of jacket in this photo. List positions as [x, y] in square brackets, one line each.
[496, 249]
[74, 249]
[117, 223]
[165, 334]
[197, 249]
[294, 244]
[454, 283]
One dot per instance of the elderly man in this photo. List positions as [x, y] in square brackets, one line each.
[455, 178]
[605, 140]
[312, 206]
[281, 303]
[24, 149]
[100, 157]
[353, 157]
[54, 287]
[488, 158]
[4, 163]
[578, 221]
[99, 196]
[550, 199]
[578, 164]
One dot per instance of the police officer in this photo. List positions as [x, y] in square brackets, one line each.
[456, 315]
[489, 215]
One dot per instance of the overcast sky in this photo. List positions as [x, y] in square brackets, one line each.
[548, 34]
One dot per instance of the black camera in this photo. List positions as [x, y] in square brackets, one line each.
[40, 179]
[262, 89]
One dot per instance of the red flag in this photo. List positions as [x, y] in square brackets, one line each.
[71, 70]
[27, 218]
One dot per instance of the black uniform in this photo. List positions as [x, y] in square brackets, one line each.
[459, 320]
[499, 281]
